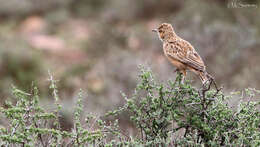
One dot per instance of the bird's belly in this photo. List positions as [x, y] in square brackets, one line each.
[177, 64]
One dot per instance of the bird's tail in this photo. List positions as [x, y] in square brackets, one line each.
[204, 77]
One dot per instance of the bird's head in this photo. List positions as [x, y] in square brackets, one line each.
[165, 31]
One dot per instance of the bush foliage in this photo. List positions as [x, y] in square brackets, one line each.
[172, 114]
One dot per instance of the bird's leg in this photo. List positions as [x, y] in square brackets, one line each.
[183, 76]
[182, 80]
[179, 75]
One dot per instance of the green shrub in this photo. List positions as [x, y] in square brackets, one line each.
[31, 125]
[179, 114]
[171, 114]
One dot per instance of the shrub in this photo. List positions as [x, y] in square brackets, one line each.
[181, 115]
[31, 125]
[172, 114]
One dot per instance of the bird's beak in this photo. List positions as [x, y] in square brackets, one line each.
[154, 30]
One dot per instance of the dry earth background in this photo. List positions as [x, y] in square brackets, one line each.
[97, 45]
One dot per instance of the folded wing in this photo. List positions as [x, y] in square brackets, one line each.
[185, 53]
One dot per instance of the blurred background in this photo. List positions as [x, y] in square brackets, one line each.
[97, 45]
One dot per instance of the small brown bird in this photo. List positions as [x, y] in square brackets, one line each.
[181, 53]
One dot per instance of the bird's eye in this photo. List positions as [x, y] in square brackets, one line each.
[160, 31]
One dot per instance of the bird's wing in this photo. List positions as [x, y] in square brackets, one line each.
[185, 53]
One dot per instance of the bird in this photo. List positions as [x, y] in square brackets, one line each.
[181, 53]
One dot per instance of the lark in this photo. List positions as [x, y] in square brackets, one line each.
[181, 53]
